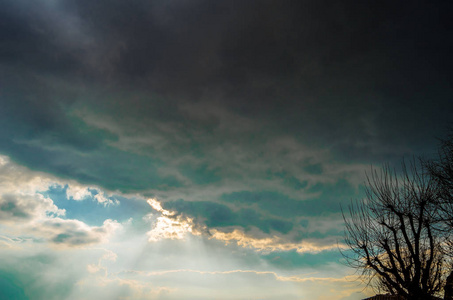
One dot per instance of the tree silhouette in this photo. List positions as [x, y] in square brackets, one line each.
[391, 235]
[441, 170]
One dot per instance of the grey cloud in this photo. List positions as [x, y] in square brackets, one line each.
[324, 198]
[23, 208]
[273, 212]
[314, 169]
[12, 208]
[367, 82]
[74, 233]
[75, 238]
[215, 215]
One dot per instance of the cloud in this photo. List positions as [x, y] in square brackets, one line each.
[168, 225]
[74, 232]
[39, 272]
[32, 218]
[274, 243]
[246, 228]
[26, 211]
[294, 285]
[78, 192]
[18, 180]
[176, 103]
[319, 198]
[14, 208]
[125, 267]
[275, 275]
[170, 228]
[108, 288]
[270, 221]
[216, 215]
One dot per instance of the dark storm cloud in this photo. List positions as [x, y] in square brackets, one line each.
[367, 81]
[29, 39]
[357, 75]
[344, 73]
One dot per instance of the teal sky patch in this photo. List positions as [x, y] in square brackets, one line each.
[94, 213]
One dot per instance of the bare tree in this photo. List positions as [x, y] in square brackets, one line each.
[441, 170]
[391, 234]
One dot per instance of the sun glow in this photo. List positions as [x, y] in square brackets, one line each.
[168, 225]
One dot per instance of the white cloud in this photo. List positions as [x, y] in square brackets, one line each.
[24, 208]
[15, 179]
[25, 211]
[77, 192]
[102, 199]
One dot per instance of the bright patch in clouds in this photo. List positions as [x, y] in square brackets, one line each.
[167, 226]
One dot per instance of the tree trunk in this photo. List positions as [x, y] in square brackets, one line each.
[449, 287]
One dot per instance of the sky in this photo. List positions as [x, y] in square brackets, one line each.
[202, 149]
